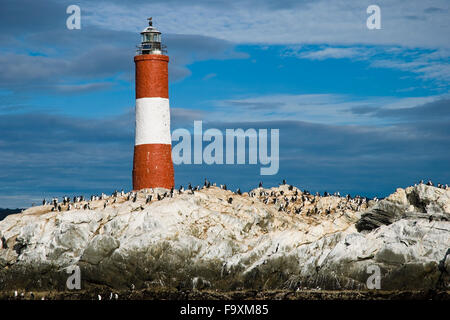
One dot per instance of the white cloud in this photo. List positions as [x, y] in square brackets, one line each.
[340, 24]
[326, 52]
[425, 63]
[209, 76]
[333, 22]
[330, 109]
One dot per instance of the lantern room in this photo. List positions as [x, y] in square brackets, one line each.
[151, 41]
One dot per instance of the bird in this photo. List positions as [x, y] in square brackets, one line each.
[230, 200]
[284, 181]
[238, 191]
[260, 184]
[99, 297]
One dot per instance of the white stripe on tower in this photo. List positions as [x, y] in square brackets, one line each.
[152, 121]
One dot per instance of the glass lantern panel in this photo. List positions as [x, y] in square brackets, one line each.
[151, 37]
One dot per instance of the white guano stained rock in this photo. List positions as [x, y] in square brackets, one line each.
[243, 244]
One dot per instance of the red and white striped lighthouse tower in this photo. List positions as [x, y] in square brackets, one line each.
[152, 164]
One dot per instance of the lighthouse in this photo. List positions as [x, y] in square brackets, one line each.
[152, 163]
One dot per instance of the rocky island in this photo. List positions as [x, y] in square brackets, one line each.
[212, 241]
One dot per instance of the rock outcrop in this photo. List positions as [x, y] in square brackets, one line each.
[207, 241]
[418, 202]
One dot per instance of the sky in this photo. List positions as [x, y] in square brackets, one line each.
[359, 111]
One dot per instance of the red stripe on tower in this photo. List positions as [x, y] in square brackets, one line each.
[152, 164]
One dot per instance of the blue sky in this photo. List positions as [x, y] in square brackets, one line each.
[359, 111]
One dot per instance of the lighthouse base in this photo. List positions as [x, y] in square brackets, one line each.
[152, 166]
